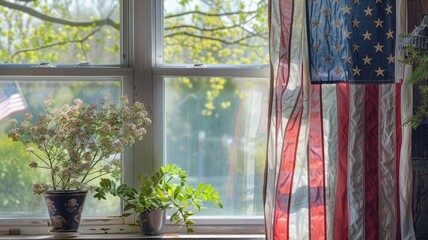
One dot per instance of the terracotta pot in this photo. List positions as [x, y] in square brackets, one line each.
[65, 210]
[152, 221]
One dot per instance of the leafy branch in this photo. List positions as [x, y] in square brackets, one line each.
[85, 38]
[39, 15]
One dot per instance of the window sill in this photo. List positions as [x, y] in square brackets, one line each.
[139, 236]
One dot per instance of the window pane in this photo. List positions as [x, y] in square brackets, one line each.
[16, 177]
[60, 31]
[216, 130]
[216, 32]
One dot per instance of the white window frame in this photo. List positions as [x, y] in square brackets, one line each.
[141, 29]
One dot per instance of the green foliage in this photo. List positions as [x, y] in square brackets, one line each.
[165, 189]
[58, 31]
[15, 182]
[418, 58]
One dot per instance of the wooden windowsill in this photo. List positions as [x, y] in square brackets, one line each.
[139, 236]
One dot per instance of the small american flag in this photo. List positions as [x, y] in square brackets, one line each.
[351, 41]
[11, 100]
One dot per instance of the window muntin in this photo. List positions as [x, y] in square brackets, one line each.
[16, 196]
[215, 32]
[60, 31]
[219, 137]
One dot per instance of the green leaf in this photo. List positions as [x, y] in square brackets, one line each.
[126, 214]
[177, 191]
[128, 206]
[190, 222]
[100, 196]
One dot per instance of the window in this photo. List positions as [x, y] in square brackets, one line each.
[42, 47]
[60, 32]
[211, 62]
[200, 67]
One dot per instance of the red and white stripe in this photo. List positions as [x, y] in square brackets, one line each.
[11, 104]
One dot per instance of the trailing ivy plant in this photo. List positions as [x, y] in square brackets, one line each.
[165, 189]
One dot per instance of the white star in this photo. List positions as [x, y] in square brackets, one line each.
[388, 9]
[327, 59]
[378, 22]
[338, 47]
[356, 1]
[356, 71]
[325, 35]
[316, 48]
[379, 72]
[347, 59]
[390, 34]
[347, 34]
[346, 9]
[367, 35]
[378, 1]
[355, 23]
[368, 11]
[338, 71]
[355, 47]
[367, 60]
[326, 11]
[378, 47]
[391, 59]
[337, 23]
[315, 23]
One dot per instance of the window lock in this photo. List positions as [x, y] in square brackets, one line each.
[84, 65]
[198, 65]
[46, 65]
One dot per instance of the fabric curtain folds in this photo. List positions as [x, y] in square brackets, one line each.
[338, 162]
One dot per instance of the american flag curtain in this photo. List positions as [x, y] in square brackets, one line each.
[11, 99]
[338, 162]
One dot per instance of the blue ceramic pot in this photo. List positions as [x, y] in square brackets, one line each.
[65, 209]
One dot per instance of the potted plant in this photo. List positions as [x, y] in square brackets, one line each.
[76, 144]
[165, 189]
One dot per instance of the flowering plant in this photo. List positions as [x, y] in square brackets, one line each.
[80, 142]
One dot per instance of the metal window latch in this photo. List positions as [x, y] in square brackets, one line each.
[46, 65]
[198, 65]
[84, 65]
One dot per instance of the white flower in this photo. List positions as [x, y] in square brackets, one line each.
[48, 102]
[13, 121]
[75, 138]
[28, 116]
